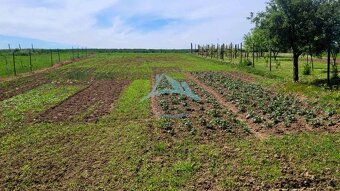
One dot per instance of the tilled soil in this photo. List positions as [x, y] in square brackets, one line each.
[16, 88]
[225, 104]
[89, 104]
[29, 81]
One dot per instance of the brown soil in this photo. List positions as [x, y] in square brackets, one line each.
[242, 117]
[28, 81]
[156, 110]
[99, 96]
[17, 88]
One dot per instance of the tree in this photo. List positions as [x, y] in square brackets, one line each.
[328, 22]
[291, 24]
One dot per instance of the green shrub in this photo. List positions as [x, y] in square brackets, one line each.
[307, 69]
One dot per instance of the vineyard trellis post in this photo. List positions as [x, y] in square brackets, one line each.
[241, 52]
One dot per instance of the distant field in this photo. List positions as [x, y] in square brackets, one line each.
[87, 126]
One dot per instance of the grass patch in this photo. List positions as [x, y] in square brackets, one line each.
[130, 105]
[37, 100]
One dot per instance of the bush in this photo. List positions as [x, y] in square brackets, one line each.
[247, 62]
[307, 69]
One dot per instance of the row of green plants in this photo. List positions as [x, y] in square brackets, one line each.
[264, 106]
[205, 113]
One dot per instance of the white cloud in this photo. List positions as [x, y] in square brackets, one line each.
[74, 21]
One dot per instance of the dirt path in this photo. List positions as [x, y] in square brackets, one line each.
[242, 117]
[89, 104]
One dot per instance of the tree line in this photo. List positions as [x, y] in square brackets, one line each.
[310, 27]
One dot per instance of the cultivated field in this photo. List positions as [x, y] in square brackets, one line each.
[88, 125]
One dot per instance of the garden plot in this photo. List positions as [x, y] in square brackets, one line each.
[204, 116]
[87, 105]
[16, 87]
[272, 111]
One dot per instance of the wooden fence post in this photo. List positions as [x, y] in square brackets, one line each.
[241, 52]
[51, 57]
[58, 56]
[191, 49]
[72, 53]
[222, 52]
[14, 67]
[31, 67]
[231, 53]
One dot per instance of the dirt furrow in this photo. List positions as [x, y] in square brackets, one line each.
[89, 104]
[242, 117]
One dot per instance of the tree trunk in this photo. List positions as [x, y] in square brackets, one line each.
[270, 59]
[329, 66]
[296, 68]
[311, 59]
[253, 57]
[275, 55]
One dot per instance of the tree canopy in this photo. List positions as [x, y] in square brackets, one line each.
[298, 25]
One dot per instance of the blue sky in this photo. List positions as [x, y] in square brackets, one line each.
[124, 23]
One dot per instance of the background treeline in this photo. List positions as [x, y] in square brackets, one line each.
[302, 27]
